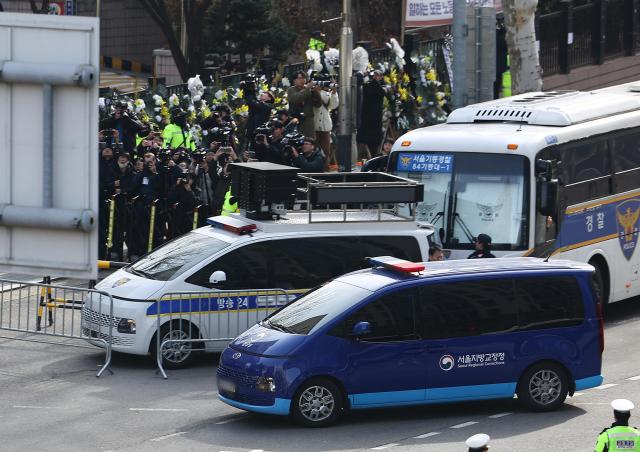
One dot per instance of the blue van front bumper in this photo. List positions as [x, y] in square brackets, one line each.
[279, 407]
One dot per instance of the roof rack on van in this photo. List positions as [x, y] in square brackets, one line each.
[267, 191]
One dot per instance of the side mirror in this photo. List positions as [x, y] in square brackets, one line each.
[217, 277]
[360, 329]
[548, 197]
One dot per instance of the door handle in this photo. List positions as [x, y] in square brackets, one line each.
[435, 348]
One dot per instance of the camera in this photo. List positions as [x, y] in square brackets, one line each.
[248, 84]
[293, 140]
[226, 149]
[323, 81]
[222, 135]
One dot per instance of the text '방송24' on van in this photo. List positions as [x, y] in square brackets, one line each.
[399, 334]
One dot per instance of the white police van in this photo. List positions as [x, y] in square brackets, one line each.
[295, 252]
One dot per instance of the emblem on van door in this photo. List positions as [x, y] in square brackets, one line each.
[120, 282]
[236, 355]
[446, 362]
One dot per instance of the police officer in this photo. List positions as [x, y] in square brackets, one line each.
[483, 247]
[478, 443]
[619, 436]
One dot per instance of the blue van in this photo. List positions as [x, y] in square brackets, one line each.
[402, 334]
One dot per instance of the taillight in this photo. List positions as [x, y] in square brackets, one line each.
[601, 321]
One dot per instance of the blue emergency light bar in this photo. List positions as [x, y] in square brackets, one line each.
[231, 224]
[395, 264]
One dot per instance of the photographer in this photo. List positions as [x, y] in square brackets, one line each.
[126, 126]
[309, 159]
[177, 135]
[204, 186]
[303, 98]
[369, 135]
[322, 115]
[268, 148]
[183, 201]
[259, 109]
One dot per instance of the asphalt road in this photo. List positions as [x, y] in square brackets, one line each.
[51, 400]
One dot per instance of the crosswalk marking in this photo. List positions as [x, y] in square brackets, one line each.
[496, 416]
[386, 446]
[607, 386]
[637, 377]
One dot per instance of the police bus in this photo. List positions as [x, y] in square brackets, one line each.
[546, 174]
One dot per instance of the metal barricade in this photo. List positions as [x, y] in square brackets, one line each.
[37, 311]
[188, 321]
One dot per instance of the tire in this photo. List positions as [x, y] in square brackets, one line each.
[543, 387]
[175, 355]
[317, 403]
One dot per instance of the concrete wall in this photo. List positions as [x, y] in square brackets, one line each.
[612, 72]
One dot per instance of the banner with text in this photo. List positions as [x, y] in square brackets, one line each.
[430, 13]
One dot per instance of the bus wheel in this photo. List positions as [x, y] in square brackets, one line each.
[175, 355]
[317, 403]
[600, 281]
[543, 387]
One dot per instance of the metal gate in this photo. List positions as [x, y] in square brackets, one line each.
[197, 321]
[41, 311]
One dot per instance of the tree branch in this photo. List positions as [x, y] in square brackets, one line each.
[158, 12]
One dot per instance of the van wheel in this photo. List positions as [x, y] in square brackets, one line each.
[543, 387]
[175, 355]
[317, 403]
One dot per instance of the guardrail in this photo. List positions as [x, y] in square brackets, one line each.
[188, 322]
[43, 310]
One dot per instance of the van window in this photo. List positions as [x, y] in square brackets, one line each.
[549, 302]
[245, 267]
[467, 308]
[316, 308]
[306, 262]
[402, 247]
[391, 316]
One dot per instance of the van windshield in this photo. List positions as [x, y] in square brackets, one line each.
[176, 257]
[316, 308]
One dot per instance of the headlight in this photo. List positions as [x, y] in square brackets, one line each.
[266, 384]
[127, 326]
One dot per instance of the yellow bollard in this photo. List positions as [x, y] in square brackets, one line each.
[195, 217]
[152, 224]
[112, 214]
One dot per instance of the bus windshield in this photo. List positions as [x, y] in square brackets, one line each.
[466, 194]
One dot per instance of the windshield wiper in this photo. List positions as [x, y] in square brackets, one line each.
[142, 273]
[279, 327]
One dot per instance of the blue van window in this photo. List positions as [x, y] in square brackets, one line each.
[316, 308]
[392, 318]
[467, 308]
[549, 302]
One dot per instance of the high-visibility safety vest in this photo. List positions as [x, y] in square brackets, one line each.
[316, 44]
[175, 137]
[227, 207]
[619, 438]
[506, 80]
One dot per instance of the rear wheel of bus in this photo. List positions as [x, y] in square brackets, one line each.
[178, 353]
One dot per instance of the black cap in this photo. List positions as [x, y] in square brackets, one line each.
[485, 239]
[276, 124]
[282, 111]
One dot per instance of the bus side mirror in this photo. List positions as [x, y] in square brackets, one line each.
[217, 277]
[548, 197]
